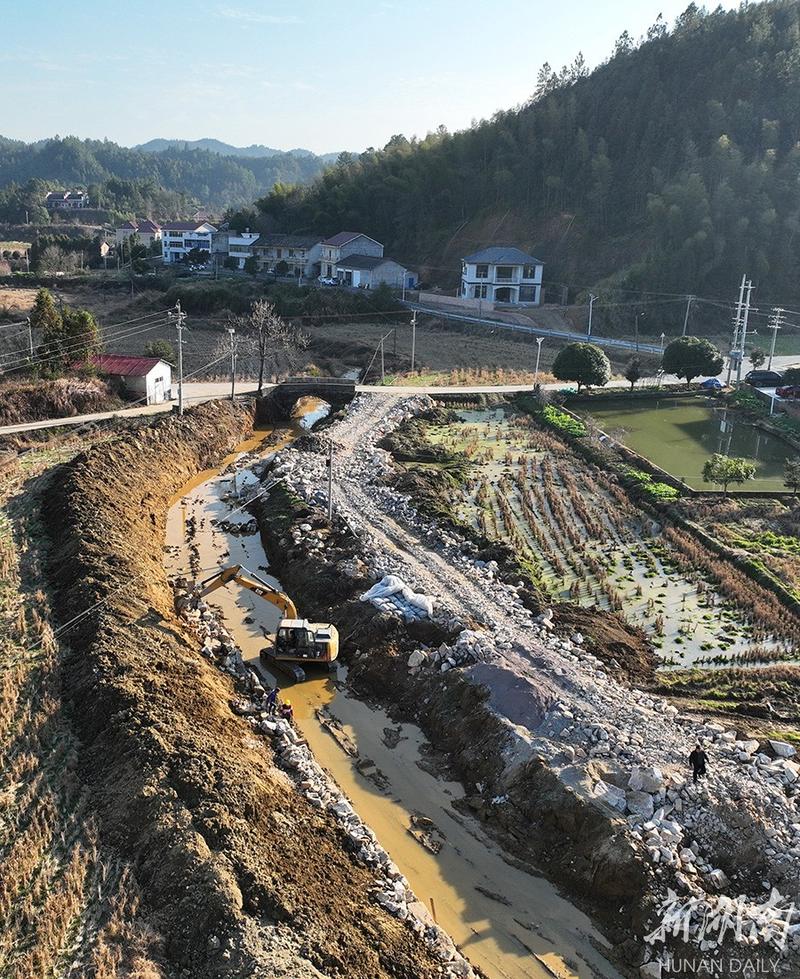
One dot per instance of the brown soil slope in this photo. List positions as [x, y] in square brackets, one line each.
[224, 848]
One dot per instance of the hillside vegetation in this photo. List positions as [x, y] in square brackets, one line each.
[673, 166]
[123, 179]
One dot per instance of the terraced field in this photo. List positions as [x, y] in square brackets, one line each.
[589, 543]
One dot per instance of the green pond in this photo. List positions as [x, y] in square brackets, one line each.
[679, 435]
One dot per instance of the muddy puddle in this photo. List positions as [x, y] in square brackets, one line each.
[591, 545]
[511, 924]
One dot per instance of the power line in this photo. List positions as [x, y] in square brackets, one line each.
[78, 346]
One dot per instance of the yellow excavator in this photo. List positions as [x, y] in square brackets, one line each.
[296, 640]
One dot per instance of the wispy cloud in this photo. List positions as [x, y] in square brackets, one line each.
[256, 17]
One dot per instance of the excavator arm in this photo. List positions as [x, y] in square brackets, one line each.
[242, 576]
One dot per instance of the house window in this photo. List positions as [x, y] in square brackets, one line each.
[529, 272]
[291, 253]
[481, 271]
[481, 291]
[505, 273]
[280, 253]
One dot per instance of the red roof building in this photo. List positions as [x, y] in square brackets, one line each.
[148, 377]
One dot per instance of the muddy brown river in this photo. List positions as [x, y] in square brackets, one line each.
[511, 924]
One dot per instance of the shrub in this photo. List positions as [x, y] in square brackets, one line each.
[560, 420]
[644, 482]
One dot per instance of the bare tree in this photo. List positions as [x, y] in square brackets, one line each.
[268, 340]
[54, 259]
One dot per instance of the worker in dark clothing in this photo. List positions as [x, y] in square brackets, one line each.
[272, 698]
[698, 759]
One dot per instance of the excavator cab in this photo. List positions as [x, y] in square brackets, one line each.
[296, 640]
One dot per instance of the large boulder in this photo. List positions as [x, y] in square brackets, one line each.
[782, 749]
[640, 803]
[646, 779]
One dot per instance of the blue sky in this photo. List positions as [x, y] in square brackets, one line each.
[322, 74]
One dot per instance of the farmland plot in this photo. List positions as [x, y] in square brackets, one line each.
[590, 544]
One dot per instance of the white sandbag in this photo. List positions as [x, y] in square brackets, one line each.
[393, 588]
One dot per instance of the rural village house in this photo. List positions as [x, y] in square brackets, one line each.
[146, 231]
[502, 274]
[178, 238]
[301, 253]
[66, 200]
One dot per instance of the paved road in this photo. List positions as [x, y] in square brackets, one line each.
[194, 393]
[641, 347]
[197, 392]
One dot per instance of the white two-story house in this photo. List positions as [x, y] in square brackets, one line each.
[178, 238]
[344, 244]
[502, 274]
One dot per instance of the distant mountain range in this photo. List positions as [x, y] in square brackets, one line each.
[135, 180]
[254, 151]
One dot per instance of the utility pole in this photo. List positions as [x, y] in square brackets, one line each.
[538, 358]
[232, 334]
[383, 364]
[686, 317]
[179, 316]
[663, 337]
[640, 313]
[745, 318]
[330, 482]
[592, 300]
[413, 339]
[736, 323]
[395, 345]
[775, 324]
[30, 336]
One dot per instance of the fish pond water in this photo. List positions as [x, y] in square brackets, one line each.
[589, 543]
[680, 434]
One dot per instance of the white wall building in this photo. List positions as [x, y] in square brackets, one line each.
[237, 245]
[178, 238]
[369, 271]
[502, 274]
[143, 377]
[344, 244]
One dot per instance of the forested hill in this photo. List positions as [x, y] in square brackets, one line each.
[673, 166]
[208, 178]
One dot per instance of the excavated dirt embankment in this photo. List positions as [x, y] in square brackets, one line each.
[241, 876]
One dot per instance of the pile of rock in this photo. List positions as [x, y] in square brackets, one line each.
[469, 647]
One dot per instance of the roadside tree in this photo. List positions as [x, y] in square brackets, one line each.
[633, 371]
[251, 265]
[757, 357]
[791, 475]
[688, 357]
[724, 470]
[584, 363]
[162, 349]
[267, 339]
